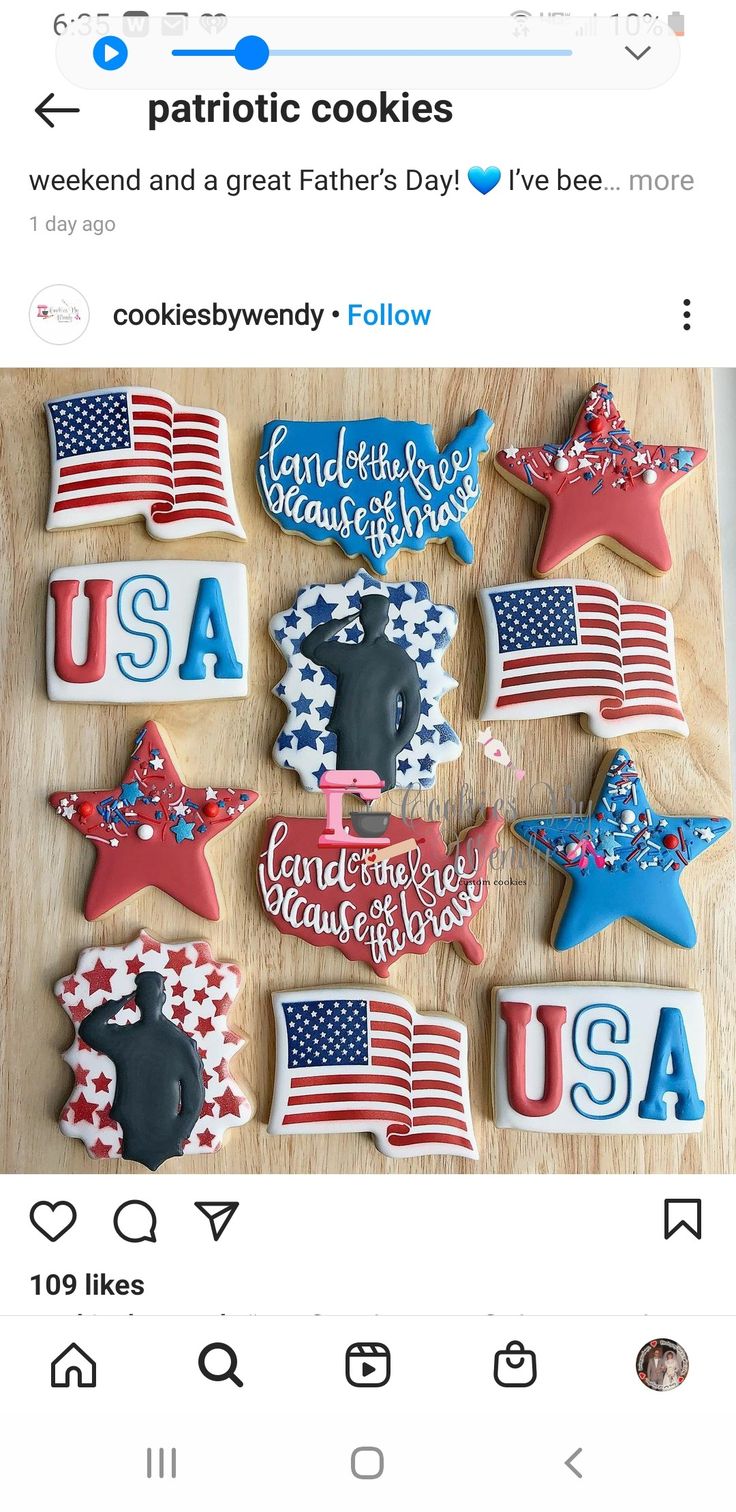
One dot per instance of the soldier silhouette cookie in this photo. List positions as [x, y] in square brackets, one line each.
[159, 1087]
[377, 695]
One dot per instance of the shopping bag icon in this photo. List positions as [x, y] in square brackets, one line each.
[515, 1365]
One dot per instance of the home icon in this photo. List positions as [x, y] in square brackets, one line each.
[73, 1368]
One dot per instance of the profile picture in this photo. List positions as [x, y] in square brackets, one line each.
[662, 1364]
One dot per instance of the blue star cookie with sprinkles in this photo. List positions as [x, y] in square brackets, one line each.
[600, 485]
[621, 859]
[152, 830]
[364, 682]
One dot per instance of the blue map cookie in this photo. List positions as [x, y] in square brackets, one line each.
[621, 859]
[364, 681]
[375, 487]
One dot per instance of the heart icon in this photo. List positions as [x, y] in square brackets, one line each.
[484, 179]
[52, 1219]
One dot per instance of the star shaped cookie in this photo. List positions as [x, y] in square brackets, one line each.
[600, 485]
[152, 830]
[621, 859]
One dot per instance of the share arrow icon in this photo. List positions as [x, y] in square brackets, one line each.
[218, 1215]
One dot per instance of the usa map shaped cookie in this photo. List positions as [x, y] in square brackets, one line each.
[131, 632]
[350, 1060]
[599, 1058]
[151, 830]
[600, 485]
[375, 487]
[378, 888]
[364, 681]
[126, 453]
[573, 647]
[151, 1051]
[621, 859]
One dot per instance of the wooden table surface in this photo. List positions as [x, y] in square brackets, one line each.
[52, 746]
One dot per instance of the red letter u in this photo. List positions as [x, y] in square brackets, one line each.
[516, 1017]
[63, 592]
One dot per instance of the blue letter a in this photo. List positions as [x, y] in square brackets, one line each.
[209, 611]
[670, 1045]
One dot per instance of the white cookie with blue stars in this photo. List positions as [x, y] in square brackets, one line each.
[361, 687]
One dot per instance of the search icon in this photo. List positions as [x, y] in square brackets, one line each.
[220, 1374]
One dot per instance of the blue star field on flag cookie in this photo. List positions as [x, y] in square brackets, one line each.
[621, 859]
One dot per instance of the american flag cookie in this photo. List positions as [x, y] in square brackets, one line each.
[573, 647]
[134, 453]
[351, 1060]
[621, 859]
[600, 485]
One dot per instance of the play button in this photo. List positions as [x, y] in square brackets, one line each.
[368, 1364]
[367, 1369]
[110, 53]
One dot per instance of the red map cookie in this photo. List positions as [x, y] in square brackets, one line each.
[377, 888]
[600, 485]
[151, 830]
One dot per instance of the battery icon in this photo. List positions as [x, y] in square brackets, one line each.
[676, 23]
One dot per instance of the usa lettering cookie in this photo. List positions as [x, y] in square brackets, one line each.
[574, 647]
[600, 485]
[621, 859]
[364, 681]
[351, 1061]
[599, 1058]
[151, 1051]
[373, 886]
[152, 830]
[128, 453]
[375, 487]
[132, 632]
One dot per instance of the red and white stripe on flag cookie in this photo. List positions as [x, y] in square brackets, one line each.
[350, 1061]
[573, 647]
[121, 453]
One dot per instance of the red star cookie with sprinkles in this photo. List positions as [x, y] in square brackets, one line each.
[152, 830]
[599, 485]
[107, 993]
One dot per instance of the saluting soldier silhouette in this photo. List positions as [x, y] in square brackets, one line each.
[159, 1087]
[377, 698]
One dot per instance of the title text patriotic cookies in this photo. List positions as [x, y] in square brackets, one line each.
[599, 484]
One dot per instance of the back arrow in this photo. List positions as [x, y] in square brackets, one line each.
[571, 1466]
[45, 110]
[638, 56]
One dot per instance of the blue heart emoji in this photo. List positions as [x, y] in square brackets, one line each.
[484, 179]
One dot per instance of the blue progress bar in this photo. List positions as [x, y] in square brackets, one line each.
[252, 53]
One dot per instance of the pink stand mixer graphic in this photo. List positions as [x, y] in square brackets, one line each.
[368, 830]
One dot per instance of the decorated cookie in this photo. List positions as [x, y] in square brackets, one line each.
[621, 859]
[599, 1058]
[375, 487]
[364, 681]
[131, 453]
[349, 1061]
[599, 485]
[373, 886]
[151, 830]
[151, 1051]
[579, 648]
[131, 632]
